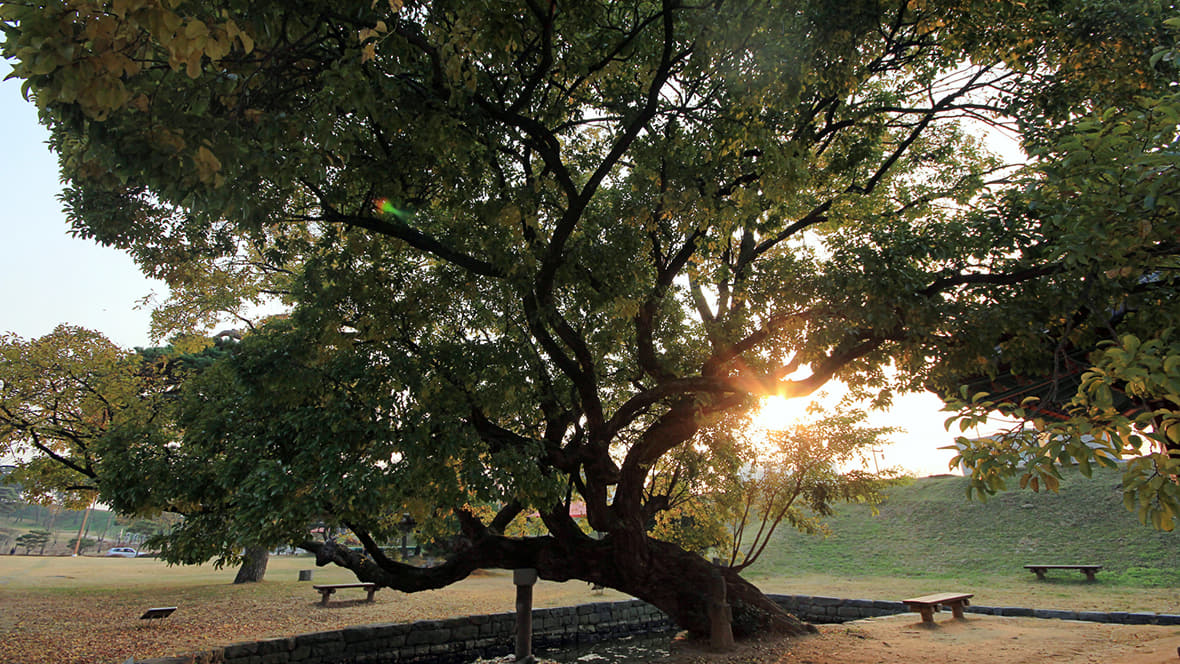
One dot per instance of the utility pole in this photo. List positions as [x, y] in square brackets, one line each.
[82, 528]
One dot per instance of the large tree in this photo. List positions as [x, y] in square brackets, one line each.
[539, 246]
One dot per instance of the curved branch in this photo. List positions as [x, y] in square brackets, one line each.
[578, 203]
[415, 238]
[487, 552]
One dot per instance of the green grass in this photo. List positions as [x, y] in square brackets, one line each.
[927, 529]
[85, 574]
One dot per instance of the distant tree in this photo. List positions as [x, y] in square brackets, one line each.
[33, 539]
[10, 500]
[81, 544]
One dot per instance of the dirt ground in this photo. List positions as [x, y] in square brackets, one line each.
[977, 639]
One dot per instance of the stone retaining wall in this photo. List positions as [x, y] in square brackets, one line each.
[452, 641]
[834, 610]
[461, 640]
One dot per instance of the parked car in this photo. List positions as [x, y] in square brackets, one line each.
[121, 552]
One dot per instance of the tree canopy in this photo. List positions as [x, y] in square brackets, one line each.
[534, 248]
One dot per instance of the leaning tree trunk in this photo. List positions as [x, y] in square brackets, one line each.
[662, 574]
[677, 582]
[253, 565]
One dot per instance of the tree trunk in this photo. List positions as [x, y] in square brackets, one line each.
[662, 574]
[677, 582]
[253, 565]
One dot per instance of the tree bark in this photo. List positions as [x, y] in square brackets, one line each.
[253, 565]
[677, 582]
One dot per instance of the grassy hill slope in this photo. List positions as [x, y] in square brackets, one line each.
[928, 528]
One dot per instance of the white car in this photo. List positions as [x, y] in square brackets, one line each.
[121, 552]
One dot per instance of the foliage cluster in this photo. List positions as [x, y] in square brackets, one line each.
[1107, 187]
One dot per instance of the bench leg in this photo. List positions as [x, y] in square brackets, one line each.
[927, 614]
[1089, 574]
[326, 594]
[371, 591]
[1040, 573]
[956, 609]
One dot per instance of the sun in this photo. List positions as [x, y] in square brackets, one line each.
[778, 412]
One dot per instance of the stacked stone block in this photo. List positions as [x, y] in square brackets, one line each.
[462, 640]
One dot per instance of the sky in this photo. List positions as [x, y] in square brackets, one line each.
[48, 278]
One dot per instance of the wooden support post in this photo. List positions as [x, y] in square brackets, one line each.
[524, 580]
[720, 614]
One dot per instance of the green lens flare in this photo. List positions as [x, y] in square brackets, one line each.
[385, 206]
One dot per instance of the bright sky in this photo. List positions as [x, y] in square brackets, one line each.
[48, 278]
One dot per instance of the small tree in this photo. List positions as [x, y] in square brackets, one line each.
[33, 539]
[82, 544]
[794, 475]
[798, 475]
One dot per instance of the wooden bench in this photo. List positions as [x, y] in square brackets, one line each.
[327, 589]
[928, 604]
[1088, 570]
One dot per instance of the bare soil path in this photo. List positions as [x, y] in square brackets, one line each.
[977, 639]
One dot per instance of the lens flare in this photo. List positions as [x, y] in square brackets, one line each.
[386, 207]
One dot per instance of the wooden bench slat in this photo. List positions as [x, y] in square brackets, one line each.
[938, 598]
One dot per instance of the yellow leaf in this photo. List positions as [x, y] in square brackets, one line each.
[192, 66]
[196, 28]
[207, 164]
[247, 42]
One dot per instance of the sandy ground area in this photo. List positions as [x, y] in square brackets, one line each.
[976, 639]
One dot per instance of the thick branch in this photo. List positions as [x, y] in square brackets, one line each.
[415, 238]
